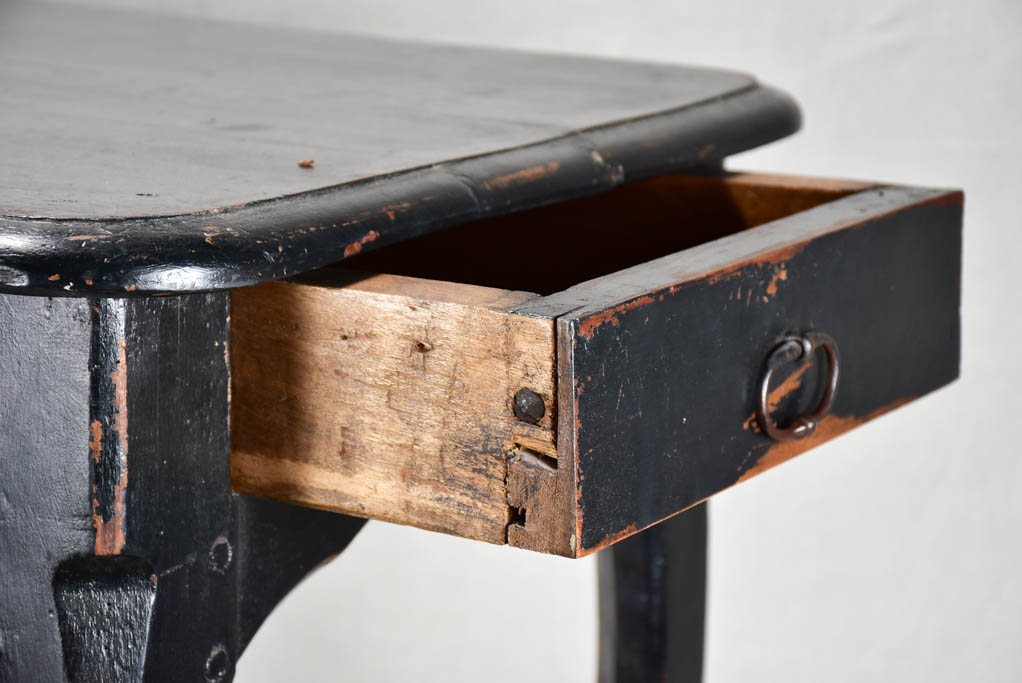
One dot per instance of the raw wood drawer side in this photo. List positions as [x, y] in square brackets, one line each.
[388, 398]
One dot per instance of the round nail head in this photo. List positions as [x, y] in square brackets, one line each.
[529, 406]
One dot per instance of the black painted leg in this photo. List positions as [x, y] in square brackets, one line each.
[652, 603]
[124, 554]
[44, 473]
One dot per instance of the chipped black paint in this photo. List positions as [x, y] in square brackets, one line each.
[267, 240]
[221, 560]
[107, 456]
[664, 379]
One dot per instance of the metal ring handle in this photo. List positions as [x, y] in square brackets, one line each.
[789, 350]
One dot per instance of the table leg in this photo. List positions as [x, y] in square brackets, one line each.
[652, 603]
[124, 554]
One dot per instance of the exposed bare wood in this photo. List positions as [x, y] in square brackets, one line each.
[392, 397]
[589, 237]
[762, 197]
[388, 398]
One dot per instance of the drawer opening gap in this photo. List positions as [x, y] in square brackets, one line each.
[534, 458]
[552, 248]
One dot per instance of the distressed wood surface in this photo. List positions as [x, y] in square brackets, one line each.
[124, 554]
[388, 398]
[45, 496]
[658, 354]
[170, 148]
[101, 643]
[660, 362]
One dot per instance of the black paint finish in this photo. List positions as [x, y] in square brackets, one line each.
[223, 560]
[186, 179]
[107, 431]
[269, 240]
[45, 501]
[211, 564]
[114, 113]
[653, 603]
[103, 608]
[178, 500]
[666, 356]
[280, 545]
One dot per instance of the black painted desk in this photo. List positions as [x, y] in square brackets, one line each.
[654, 319]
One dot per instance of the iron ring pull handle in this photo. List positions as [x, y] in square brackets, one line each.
[789, 350]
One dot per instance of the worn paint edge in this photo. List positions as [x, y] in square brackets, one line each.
[839, 425]
[108, 423]
[287, 235]
[770, 243]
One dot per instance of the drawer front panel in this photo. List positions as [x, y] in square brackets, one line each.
[665, 358]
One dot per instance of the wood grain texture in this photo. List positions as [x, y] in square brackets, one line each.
[389, 398]
[657, 360]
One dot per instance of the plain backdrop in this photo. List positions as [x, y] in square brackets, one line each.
[891, 554]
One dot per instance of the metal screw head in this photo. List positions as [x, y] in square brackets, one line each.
[529, 406]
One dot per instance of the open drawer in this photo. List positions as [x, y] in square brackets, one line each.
[561, 378]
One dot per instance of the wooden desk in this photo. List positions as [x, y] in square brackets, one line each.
[565, 342]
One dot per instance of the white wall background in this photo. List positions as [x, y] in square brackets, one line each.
[890, 555]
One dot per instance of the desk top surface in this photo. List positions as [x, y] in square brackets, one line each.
[148, 153]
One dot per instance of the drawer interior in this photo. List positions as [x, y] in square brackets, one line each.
[551, 248]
